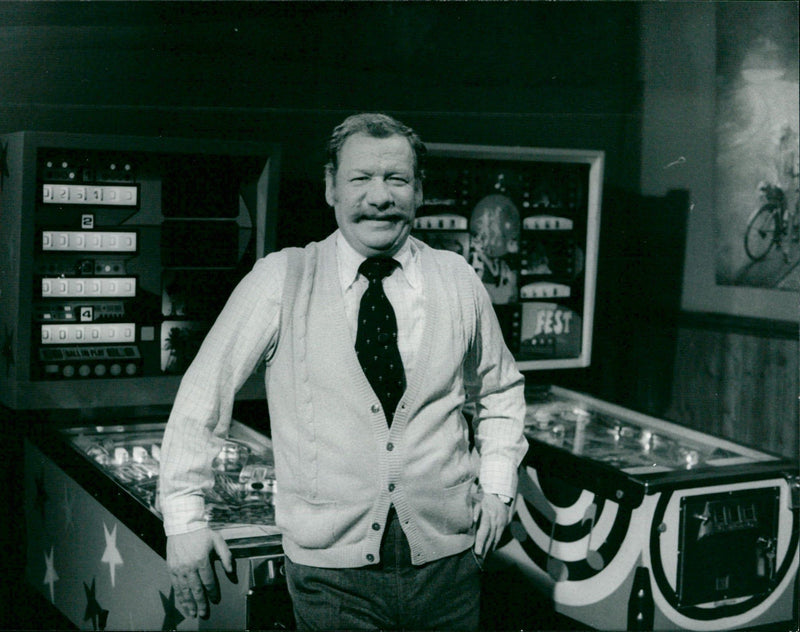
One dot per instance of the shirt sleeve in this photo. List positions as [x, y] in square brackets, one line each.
[496, 391]
[245, 332]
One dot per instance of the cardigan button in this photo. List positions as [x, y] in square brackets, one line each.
[390, 446]
[391, 487]
[375, 408]
[376, 526]
[370, 557]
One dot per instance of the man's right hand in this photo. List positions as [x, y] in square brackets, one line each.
[191, 570]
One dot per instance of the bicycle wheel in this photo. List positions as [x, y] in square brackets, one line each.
[762, 227]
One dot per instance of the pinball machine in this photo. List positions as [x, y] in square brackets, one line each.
[117, 254]
[96, 541]
[623, 521]
[630, 522]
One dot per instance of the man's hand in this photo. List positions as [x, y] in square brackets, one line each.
[492, 516]
[191, 570]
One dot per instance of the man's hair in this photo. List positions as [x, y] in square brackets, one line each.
[376, 125]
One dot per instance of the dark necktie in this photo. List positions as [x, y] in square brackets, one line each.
[376, 340]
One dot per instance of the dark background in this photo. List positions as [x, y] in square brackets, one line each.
[541, 74]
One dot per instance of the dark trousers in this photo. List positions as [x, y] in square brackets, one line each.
[391, 595]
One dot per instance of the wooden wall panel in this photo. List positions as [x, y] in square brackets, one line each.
[740, 386]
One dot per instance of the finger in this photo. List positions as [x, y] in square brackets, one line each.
[496, 535]
[209, 580]
[198, 593]
[184, 599]
[476, 512]
[232, 575]
[481, 537]
[222, 550]
[503, 520]
[491, 536]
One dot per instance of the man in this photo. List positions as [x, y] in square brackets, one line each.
[383, 524]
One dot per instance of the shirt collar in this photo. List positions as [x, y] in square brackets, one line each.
[349, 261]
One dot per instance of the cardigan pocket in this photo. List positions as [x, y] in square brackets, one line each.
[314, 523]
[449, 511]
[310, 522]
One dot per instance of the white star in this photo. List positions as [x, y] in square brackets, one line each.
[50, 575]
[111, 555]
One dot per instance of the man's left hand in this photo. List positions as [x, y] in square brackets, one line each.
[492, 516]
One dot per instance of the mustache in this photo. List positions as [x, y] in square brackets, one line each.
[389, 215]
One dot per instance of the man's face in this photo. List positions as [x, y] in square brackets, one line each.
[374, 193]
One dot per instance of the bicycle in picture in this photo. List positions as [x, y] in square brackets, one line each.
[772, 225]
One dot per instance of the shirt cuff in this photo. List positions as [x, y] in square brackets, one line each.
[498, 476]
[189, 517]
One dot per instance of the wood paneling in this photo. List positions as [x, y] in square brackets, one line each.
[740, 386]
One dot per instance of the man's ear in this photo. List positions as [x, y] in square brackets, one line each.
[330, 188]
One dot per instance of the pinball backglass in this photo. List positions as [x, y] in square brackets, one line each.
[527, 220]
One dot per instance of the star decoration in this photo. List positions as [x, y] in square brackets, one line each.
[8, 350]
[41, 494]
[172, 617]
[50, 575]
[111, 555]
[3, 163]
[94, 611]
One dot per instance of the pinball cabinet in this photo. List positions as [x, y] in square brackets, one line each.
[630, 522]
[117, 254]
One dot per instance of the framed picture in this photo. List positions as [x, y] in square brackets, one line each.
[750, 265]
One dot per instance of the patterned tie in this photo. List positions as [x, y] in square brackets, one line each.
[376, 340]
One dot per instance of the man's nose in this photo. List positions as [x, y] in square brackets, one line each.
[378, 194]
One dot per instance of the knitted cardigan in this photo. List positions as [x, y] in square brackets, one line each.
[339, 466]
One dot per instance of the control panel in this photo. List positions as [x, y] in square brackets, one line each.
[122, 251]
[527, 220]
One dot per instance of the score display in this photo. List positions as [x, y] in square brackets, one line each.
[121, 252]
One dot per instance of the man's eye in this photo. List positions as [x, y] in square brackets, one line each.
[359, 179]
[398, 180]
